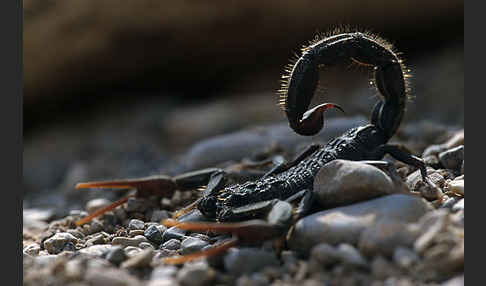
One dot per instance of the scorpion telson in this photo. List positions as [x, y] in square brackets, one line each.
[266, 208]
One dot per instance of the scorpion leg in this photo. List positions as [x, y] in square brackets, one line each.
[153, 185]
[404, 156]
[280, 217]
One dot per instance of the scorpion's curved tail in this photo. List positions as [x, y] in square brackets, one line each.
[300, 84]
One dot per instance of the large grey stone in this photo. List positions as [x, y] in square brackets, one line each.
[345, 224]
[343, 182]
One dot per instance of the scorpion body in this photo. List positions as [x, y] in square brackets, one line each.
[245, 204]
[360, 143]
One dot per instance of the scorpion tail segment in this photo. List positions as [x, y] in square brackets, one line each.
[391, 84]
[313, 120]
[205, 253]
[102, 211]
[251, 231]
[162, 185]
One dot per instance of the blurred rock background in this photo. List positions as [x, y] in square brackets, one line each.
[124, 90]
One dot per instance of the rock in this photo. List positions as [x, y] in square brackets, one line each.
[382, 268]
[432, 224]
[345, 224]
[116, 255]
[174, 232]
[127, 241]
[45, 260]
[98, 250]
[159, 216]
[452, 158]
[256, 279]
[456, 281]
[58, 241]
[32, 249]
[77, 233]
[136, 224]
[325, 255]
[153, 234]
[139, 260]
[192, 244]
[343, 182]
[449, 202]
[97, 239]
[145, 245]
[248, 260]
[456, 186]
[404, 257]
[349, 255]
[163, 271]
[163, 276]
[131, 251]
[110, 277]
[135, 232]
[195, 274]
[458, 206]
[171, 244]
[385, 236]
[96, 204]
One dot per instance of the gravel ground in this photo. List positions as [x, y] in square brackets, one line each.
[380, 228]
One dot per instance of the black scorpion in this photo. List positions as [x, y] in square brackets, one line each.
[245, 204]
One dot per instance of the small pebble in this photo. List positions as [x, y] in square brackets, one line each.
[404, 257]
[135, 232]
[145, 245]
[173, 232]
[127, 241]
[195, 274]
[139, 260]
[163, 271]
[153, 234]
[97, 239]
[192, 244]
[452, 158]
[32, 249]
[58, 241]
[136, 224]
[349, 255]
[110, 277]
[131, 251]
[171, 244]
[76, 233]
[98, 250]
[385, 236]
[456, 186]
[116, 255]
[240, 261]
[458, 206]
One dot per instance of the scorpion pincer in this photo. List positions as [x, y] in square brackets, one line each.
[265, 209]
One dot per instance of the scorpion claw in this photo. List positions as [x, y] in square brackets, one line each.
[250, 231]
[162, 185]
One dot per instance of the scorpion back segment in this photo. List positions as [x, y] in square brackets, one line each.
[300, 84]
